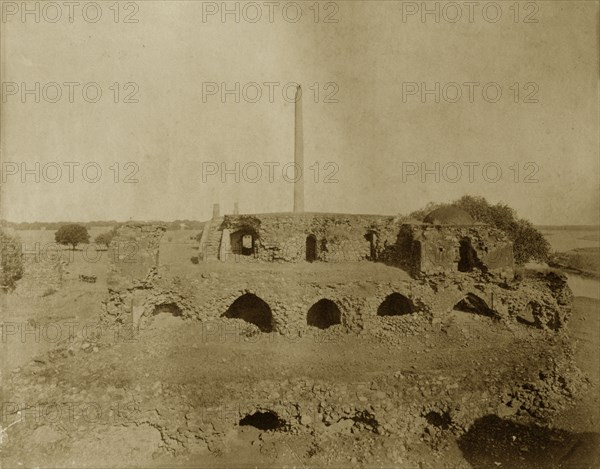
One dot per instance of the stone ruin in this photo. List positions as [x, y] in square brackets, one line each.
[433, 246]
[445, 262]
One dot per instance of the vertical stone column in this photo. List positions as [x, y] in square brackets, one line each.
[298, 153]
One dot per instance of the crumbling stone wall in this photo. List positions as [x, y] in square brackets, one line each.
[137, 303]
[419, 248]
[283, 237]
[430, 249]
[138, 290]
[134, 258]
[547, 294]
[208, 297]
[133, 252]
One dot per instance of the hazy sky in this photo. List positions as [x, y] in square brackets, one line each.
[377, 58]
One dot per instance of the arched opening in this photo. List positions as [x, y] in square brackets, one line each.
[243, 241]
[252, 309]
[163, 315]
[371, 237]
[395, 305]
[311, 248]
[169, 308]
[323, 314]
[473, 304]
[468, 256]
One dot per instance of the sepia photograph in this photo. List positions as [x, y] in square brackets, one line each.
[299, 234]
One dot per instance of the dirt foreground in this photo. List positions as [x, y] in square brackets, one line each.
[467, 392]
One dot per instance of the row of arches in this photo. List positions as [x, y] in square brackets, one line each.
[326, 313]
[249, 307]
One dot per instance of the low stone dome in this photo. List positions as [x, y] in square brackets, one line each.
[449, 216]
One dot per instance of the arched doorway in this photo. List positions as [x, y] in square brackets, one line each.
[243, 241]
[311, 248]
[473, 304]
[468, 256]
[323, 314]
[395, 305]
[252, 309]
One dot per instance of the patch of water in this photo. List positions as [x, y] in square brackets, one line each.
[565, 240]
[584, 286]
[580, 285]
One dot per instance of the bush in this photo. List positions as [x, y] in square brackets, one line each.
[11, 262]
[106, 237]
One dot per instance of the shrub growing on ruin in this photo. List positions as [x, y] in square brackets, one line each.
[528, 243]
[11, 262]
[72, 235]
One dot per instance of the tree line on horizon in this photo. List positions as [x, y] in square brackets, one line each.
[38, 225]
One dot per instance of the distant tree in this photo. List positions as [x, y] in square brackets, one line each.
[72, 234]
[11, 261]
[106, 237]
[528, 243]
